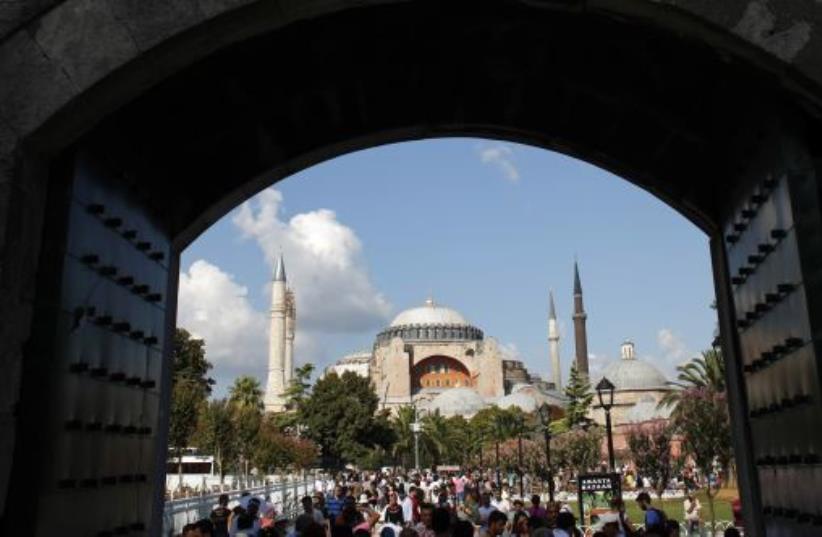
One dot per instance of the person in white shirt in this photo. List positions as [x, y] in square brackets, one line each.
[408, 506]
[692, 508]
[501, 503]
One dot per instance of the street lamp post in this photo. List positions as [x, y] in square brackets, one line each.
[416, 427]
[545, 418]
[496, 462]
[519, 467]
[605, 393]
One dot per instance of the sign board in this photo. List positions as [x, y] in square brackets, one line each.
[448, 468]
[595, 492]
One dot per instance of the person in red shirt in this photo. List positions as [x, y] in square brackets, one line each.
[736, 508]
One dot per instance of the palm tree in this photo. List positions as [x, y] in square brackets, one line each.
[404, 446]
[705, 371]
[436, 436]
[246, 394]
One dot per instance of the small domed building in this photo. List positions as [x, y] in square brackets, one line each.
[639, 387]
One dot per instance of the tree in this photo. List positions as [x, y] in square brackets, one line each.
[402, 449]
[341, 416]
[246, 393]
[650, 448]
[460, 445]
[705, 371]
[186, 400]
[701, 418]
[274, 449]
[299, 386]
[436, 437]
[246, 399]
[579, 394]
[298, 389]
[579, 449]
[190, 387]
[247, 421]
[188, 362]
[216, 433]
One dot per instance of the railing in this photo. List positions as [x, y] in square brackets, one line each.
[285, 495]
[704, 528]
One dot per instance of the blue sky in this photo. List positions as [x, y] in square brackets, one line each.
[487, 227]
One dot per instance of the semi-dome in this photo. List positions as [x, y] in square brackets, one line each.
[526, 402]
[632, 374]
[457, 402]
[428, 314]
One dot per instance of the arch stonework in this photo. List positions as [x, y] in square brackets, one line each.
[440, 372]
[78, 70]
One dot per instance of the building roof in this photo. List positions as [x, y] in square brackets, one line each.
[633, 374]
[429, 314]
[355, 358]
[457, 402]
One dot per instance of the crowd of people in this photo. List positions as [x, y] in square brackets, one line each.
[385, 504]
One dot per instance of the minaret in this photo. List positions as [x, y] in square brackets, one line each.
[290, 319]
[553, 343]
[580, 336]
[275, 387]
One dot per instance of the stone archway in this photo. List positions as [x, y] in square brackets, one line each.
[137, 124]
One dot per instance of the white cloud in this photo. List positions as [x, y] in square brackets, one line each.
[674, 349]
[325, 269]
[324, 265]
[213, 306]
[500, 156]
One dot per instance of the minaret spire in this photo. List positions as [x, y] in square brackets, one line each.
[577, 283]
[553, 342]
[276, 382]
[580, 334]
[279, 271]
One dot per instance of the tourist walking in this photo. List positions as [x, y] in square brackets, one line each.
[393, 512]
[219, 517]
[692, 510]
[654, 518]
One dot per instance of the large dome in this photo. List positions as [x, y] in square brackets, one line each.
[457, 402]
[429, 314]
[632, 374]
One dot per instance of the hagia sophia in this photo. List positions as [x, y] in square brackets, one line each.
[431, 356]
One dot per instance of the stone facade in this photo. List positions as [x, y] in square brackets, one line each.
[396, 362]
